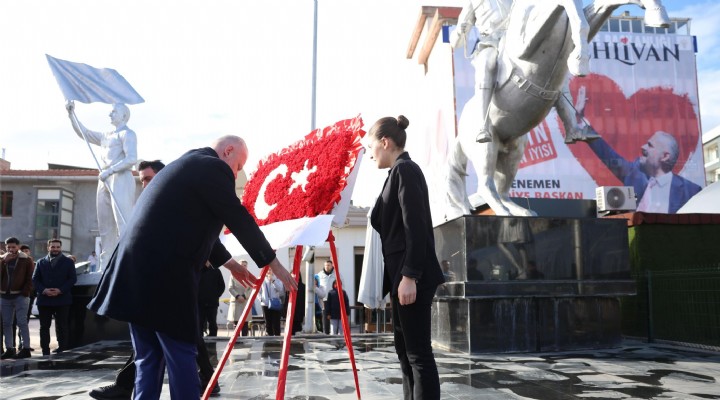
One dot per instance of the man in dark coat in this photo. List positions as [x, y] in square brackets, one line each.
[212, 286]
[53, 280]
[152, 277]
[334, 312]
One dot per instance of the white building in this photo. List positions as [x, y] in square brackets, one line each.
[711, 150]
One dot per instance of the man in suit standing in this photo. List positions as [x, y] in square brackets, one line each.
[152, 277]
[53, 280]
[658, 190]
[212, 286]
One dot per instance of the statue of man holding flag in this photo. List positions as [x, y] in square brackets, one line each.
[116, 186]
[118, 149]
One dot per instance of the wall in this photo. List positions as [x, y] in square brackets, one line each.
[22, 223]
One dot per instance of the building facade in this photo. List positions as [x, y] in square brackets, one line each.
[711, 150]
[59, 202]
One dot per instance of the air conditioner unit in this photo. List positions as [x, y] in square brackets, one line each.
[615, 198]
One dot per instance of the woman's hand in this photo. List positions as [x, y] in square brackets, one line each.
[407, 291]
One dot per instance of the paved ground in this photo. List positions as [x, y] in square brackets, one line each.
[320, 369]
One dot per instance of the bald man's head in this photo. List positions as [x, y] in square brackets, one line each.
[233, 150]
[659, 154]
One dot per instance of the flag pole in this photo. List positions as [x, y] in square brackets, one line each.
[97, 163]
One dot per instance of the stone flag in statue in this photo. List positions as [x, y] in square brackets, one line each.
[87, 84]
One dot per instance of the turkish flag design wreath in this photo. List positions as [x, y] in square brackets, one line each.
[306, 178]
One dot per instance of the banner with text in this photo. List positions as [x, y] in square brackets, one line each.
[639, 84]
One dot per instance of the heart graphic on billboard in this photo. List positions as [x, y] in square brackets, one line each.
[626, 123]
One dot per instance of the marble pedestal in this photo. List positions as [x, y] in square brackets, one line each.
[520, 284]
[87, 327]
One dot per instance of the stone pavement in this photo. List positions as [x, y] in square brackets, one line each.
[319, 368]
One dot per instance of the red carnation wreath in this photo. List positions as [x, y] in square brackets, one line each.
[306, 178]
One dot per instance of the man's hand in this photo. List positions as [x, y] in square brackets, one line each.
[70, 106]
[281, 273]
[407, 291]
[105, 174]
[241, 273]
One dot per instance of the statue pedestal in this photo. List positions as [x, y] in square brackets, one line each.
[530, 284]
[87, 327]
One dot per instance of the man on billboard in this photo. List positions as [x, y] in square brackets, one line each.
[658, 189]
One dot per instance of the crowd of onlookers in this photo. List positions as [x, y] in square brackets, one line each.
[273, 300]
[48, 283]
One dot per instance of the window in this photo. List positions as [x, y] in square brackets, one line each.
[6, 198]
[53, 219]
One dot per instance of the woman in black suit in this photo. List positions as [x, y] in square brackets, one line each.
[412, 272]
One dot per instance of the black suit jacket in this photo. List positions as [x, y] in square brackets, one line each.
[402, 218]
[152, 277]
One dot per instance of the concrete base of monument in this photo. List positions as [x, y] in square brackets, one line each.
[520, 284]
[526, 324]
[87, 327]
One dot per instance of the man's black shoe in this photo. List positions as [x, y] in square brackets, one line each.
[58, 350]
[9, 353]
[111, 392]
[24, 353]
[215, 391]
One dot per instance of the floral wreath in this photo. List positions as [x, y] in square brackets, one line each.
[306, 178]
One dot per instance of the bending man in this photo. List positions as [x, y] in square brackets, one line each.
[152, 278]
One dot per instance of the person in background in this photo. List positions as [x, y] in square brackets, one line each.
[16, 269]
[212, 286]
[92, 259]
[53, 279]
[272, 288]
[237, 302]
[325, 279]
[401, 216]
[147, 171]
[334, 310]
[299, 315]
[26, 249]
[318, 307]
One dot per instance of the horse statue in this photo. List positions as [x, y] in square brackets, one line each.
[532, 69]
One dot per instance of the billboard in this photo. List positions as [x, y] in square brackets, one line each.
[640, 84]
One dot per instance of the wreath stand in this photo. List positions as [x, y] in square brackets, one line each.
[282, 376]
